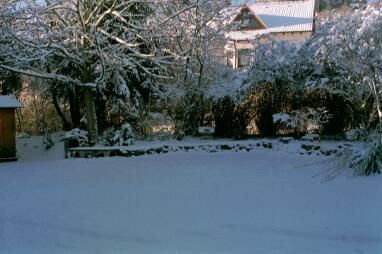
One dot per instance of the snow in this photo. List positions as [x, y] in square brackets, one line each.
[263, 201]
[9, 102]
[281, 117]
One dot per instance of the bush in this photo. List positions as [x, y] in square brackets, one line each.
[231, 120]
[265, 106]
[223, 112]
[77, 138]
[241, 120]
[367, 159]
[341, 113]
[356, 135]
[338, 107]
[121, 137]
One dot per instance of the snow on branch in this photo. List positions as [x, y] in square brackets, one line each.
[46, 76]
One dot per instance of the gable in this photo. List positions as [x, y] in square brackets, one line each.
[272, 17]
[246, 19]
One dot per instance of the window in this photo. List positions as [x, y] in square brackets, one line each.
[245, 57]
[245, 18]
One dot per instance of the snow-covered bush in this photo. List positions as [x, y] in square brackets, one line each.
[283, 119]
[77, 138]
[367, 159]
[298, 122]
[284, 123]
[316, 119]
[356, 135]
[120, 137]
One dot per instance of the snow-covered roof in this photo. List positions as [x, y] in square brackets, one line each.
[9, 102]
[287, 16]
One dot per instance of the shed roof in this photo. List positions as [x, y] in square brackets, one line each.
[9, 102]
[286, 16]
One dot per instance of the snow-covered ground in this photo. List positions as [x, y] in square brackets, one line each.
[262, 201]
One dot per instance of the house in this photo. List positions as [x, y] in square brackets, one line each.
[287, 20]
[8, 105]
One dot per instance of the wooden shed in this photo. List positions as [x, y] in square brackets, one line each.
[8, 105]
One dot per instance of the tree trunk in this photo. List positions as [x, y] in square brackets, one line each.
[65, 122]
[74, 105]
[91, 116]
[101, 113]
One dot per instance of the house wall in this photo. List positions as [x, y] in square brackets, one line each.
[7, 133]
[291, 36]
[288, 36]
[233, 58]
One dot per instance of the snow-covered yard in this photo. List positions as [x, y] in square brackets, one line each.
[263, 201]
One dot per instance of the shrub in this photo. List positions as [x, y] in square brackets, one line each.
[241, 120]
[223, 112]
[77, 138]
[120, 137]
[265, 104]
[338, 107]
[341, 113]
[367, 159]
[231, 120]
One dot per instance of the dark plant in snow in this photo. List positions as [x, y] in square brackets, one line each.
[223, 111]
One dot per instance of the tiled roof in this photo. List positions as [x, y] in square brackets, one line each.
[288, 16]
[297, 9]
